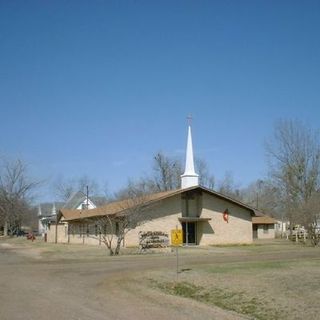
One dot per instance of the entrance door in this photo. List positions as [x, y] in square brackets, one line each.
[189, 233]
[255, 231]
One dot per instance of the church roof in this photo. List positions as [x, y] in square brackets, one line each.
[117, 207]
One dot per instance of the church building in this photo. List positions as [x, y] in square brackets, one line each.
[205, 216]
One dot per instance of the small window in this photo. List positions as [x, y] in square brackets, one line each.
[265, 228]
[82, 228]
[71, 229]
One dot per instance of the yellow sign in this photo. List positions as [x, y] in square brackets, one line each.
[176, 237]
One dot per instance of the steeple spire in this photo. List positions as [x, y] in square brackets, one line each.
[189, 178]
[39, 211]
[53, 211]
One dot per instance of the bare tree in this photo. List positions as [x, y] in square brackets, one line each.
[140, 187]
[263, 195]
[294, 161]
[311, 217]
[228, 187]
[205, 178]
[15, 193]
[65, 188]
[166, 175]
[105, 229]
[167, 172]
[130, 213]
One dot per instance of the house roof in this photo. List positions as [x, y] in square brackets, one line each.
[120, 206]
[75, 200]
[46, 208]
[49, 219]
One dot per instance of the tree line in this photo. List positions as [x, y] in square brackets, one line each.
[289, 191]
[15, 196]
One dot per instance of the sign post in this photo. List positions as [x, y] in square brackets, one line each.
[176, 241]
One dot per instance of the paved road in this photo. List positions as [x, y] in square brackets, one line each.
[32, 288]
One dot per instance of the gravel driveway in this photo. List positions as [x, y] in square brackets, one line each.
[33, 288]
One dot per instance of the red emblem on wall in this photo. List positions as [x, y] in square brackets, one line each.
[226, 215]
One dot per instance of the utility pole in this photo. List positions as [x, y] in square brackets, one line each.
[87, 197]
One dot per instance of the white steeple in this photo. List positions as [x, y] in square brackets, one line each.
[53, 211]
[40, 225]
[189, 178]
[39, 211]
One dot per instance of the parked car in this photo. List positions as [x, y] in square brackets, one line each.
[20, 233]
[30, 236]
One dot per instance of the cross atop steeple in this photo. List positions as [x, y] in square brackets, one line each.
[189, 119]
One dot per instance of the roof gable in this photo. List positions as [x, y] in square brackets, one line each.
[76, 199]
[226, 198]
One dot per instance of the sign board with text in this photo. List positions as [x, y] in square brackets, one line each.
[176, 237]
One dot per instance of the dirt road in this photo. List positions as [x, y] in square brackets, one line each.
[34, 288]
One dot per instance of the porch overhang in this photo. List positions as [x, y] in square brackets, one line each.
[263, 220]
[193, 219]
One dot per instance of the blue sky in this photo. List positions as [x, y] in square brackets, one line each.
[97, 87]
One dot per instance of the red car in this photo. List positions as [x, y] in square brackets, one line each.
[31, 236]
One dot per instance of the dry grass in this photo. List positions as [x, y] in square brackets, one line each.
[64, 252]
[225, 299]
[266, 281]
[265, 290]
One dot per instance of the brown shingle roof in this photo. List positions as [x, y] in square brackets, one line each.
[119, 206]
[115, 207]
[263, 220]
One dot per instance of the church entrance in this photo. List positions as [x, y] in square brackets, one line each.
[189, 233]
[255, 231]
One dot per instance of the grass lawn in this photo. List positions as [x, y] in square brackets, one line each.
[283, 288]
